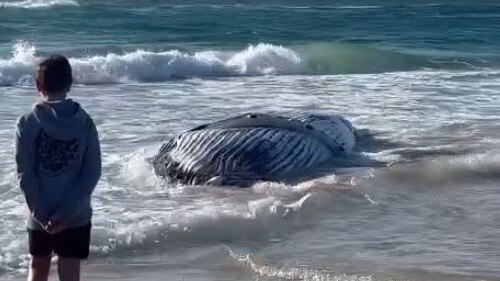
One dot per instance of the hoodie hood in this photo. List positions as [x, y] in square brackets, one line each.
[63, 120]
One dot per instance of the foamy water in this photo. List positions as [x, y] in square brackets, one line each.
[419, 200]
[33, 4]
[255, 60]
[144, 66]
[422, 215]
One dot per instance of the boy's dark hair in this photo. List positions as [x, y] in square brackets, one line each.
[55, 74]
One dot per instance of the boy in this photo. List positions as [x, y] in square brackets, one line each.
[58, 165]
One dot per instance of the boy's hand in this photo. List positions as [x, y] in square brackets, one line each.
[55, 225]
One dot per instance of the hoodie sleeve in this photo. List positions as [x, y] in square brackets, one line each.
[27, 176]
[87, 179]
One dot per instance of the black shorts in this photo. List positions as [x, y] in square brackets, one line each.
[69, 243]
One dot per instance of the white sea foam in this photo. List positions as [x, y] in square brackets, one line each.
[144, 66]
[260, 59]
[33, 4]
[291, 273]
[204, 221]
[18, 70]
[199, 215]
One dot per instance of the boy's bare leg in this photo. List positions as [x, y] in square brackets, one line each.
[68, 269]
[39, 268]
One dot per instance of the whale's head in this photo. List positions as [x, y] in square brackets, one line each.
[340, 131]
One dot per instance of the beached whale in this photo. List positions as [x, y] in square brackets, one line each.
[242, 150]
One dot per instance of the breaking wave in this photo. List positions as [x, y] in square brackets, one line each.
[146, 66]
[261, 59]
[33, 4]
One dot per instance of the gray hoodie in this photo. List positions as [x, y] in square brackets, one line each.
[58, 162]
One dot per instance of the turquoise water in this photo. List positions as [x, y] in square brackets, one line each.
[422, 80]
[339, 37]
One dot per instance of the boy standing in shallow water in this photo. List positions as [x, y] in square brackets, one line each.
[58, 165]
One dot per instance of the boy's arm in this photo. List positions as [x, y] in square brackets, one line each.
[87, 180]
[27, 177]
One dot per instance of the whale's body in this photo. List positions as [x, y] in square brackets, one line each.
[254, 147]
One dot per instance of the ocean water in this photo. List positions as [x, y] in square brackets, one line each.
[419, 79]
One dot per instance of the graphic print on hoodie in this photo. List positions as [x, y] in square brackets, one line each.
[58, 162]
[55, 156]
